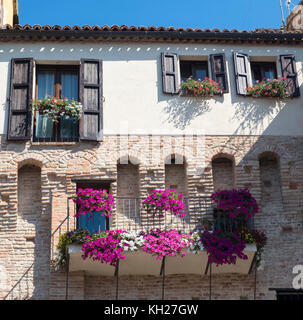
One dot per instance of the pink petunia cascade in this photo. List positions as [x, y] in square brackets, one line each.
[160, 201]
[106, 249]
[166, 243]
[91, 200]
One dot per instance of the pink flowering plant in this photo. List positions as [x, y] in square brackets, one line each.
[105, 249]
[206, 87]
[222, 247]
[275, 88]
[90, 200]
[160, 201]
[166, 243]
[109, 246]
[237, 203]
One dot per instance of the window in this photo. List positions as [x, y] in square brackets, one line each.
[198, 70]
[248, 72]
[82, 82]
[58, 81]
[263, 70]
[93, 222]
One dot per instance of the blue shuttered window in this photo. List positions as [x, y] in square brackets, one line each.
[93, 222]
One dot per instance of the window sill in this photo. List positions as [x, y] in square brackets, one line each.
[201, 96]
[266, 97]
[55, 143]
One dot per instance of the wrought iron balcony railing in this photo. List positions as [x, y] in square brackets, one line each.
[131, 216]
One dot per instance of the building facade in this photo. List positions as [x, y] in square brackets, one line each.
[138, 133]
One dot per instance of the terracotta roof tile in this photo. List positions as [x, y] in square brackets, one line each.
[155, 33]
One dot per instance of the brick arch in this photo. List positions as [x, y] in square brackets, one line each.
[137, 155]
[86, 156]
[31, 158]
[168, 152]
[126, 159]
[278, 150]
[268, 154]
[224, 155]
[230, 152]
[179, 158]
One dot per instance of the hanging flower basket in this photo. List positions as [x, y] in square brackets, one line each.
[238, 204]
[160, 201]
[90, 200]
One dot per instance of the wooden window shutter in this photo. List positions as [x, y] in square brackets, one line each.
[20, 115]
[289, 71]
[170, 73]
[218, 69]
[242, 72]
[91, 122]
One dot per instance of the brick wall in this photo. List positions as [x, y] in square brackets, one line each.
[223, 173]
[60, 166]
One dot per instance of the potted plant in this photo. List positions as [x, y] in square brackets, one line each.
[160, 201]
[233, 209]
[91, 201]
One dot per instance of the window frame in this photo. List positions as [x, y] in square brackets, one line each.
[194, 66]
[58, 70]
[262, 65]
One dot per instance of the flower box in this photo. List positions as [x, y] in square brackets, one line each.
[206, 88]
[69, 127]
[270, 88]
[44, 126]
[54, 107]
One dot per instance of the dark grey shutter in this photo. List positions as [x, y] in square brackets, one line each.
[170, 73]
[91, 122]
[20, 115]
[218, 69]
[242, 72]
[289, 70]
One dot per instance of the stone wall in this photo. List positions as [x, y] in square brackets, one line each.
[57, 168]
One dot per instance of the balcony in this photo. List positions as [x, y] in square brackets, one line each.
[130, 216]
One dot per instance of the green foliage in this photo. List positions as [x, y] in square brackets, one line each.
[55, 107]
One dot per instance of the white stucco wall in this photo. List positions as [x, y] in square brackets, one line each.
[132, 87]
